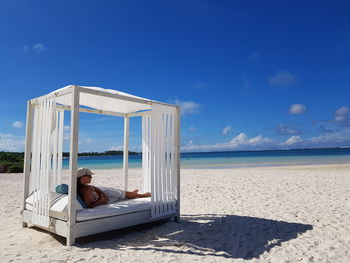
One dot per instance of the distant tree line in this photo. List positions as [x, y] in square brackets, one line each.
[66, 154]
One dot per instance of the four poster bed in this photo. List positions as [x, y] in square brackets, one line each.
[61, 213]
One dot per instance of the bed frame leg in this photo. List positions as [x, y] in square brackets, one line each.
[177, 219]
[70, 240]
[24, 224]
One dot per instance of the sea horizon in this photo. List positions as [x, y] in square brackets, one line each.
[227, 159]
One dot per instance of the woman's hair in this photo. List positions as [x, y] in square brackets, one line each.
[79, 185]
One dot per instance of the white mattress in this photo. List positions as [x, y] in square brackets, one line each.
[114, 209]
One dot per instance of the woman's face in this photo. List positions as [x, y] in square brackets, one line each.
[86, 179]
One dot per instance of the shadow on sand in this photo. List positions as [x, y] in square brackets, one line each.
[227, 236]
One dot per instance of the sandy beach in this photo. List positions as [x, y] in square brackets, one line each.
[269, 214]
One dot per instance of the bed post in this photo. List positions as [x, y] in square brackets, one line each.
[126, 152]
[177, 159]
[27, 155]
[73, 159]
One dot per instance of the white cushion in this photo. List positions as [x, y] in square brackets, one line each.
[58, 205]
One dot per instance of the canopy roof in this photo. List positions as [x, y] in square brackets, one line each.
[105, 99]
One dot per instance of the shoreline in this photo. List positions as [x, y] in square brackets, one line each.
[219, 166]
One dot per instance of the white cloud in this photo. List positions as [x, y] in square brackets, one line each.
[339, 118]
[187, 107]
[66, 133]
[331, 139]
[339, 138]
[189, 143]
[325, 129]
[292, 140]
[240, 142]
[258, 140]
[132, 148]
[341, 111]
[89, 140]
[116, 148]
[6, 135]
[17, 124]
[341, 114]
[192, 129]
[8, 146]
[243, 140]
[282, 78]
[226, 130]
[297, 109]
[11, 143]
[286, 130]
[39, 48]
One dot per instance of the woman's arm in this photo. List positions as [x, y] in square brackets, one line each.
[101, 201]
[101, 193]
[88, 195]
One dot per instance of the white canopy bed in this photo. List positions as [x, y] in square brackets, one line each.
[62, 214]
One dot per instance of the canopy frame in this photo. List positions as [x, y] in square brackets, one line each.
[152, 110]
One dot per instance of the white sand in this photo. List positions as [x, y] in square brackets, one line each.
[271, 214]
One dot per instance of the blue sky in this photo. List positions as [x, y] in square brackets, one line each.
[249, 75]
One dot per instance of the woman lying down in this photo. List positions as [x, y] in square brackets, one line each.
[94, 196]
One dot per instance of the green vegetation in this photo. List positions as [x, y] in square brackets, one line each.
[11, 162]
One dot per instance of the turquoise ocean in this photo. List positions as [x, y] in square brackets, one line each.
[233, 159]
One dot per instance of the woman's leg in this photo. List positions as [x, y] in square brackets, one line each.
[135, 194]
